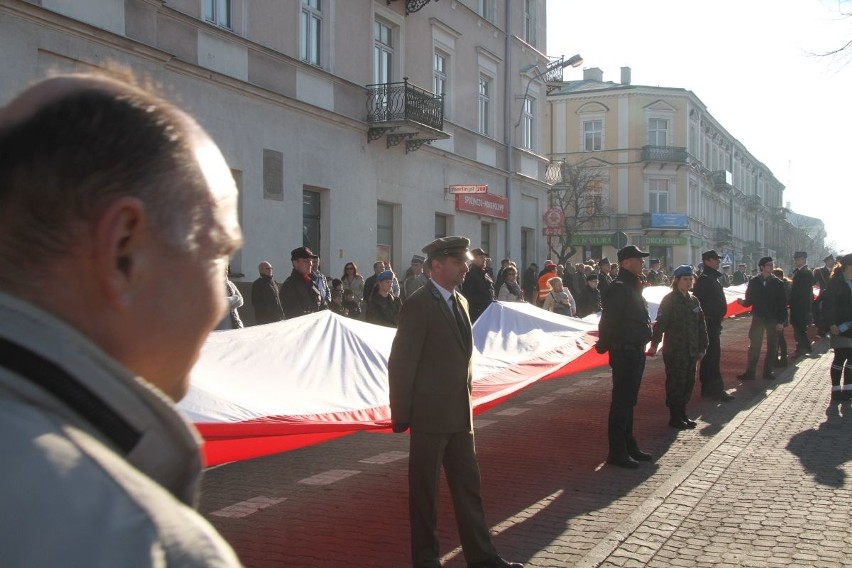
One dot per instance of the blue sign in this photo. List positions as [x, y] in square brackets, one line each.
[669, 221]
[728, 259]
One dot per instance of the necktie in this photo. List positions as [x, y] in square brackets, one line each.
[463, 329]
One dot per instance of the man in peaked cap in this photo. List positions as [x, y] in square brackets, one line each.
[604, 276]
[478, 287]
[299, 295]
[416, 279]
[711, 296]
[430, 393]
[767, 298]
[624, 330]
[801, 302]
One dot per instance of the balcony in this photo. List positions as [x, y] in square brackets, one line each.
[723, 180]
[665, 154]
[404, 113]
[752, 202]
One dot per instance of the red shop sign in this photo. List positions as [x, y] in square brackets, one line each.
[483, 204]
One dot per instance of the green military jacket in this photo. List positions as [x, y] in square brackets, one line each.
[681, 320]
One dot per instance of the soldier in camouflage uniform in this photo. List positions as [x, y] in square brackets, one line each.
[681, 320]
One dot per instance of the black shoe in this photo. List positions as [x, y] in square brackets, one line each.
[769, 376]
[639, 455]
[746, 376]
[679, 424]
[622, 460]
[689, 423]
[495, 562]
[727, 397]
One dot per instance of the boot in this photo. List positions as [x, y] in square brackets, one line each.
[675, 421]
[689, 423]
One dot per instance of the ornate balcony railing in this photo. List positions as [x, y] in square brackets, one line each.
[404, 112]
[723, 180]
[752, 202]
[667, 154]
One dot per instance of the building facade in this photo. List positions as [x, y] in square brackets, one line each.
[672, 178]
[345, 122]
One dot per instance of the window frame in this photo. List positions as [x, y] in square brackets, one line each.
[383, 52]
[214, 11]
[484, 105]
[310, 32]
[586, 133]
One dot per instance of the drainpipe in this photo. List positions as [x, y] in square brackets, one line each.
[507, 128]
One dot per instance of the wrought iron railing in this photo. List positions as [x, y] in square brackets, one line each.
[397, 102]
[670, 154]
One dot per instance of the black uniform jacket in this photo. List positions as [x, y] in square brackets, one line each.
[624, 320]
[708, 290]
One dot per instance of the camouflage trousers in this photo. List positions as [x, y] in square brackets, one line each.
[680, 378]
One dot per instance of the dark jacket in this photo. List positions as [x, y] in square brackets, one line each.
[589, 301]
[604, 282]
[369, 287]
[264, 298]
[298, 296]
[801, 295]
[478, 289]
[624, 320]
[767, 298]
[384, 310]
[739, 277]
[708, 290]
[837, 302]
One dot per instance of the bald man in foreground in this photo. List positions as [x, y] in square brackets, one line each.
[113, 203]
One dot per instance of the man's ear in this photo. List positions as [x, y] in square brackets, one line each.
[120, 237]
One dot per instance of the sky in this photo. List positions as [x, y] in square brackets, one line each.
[753, 64]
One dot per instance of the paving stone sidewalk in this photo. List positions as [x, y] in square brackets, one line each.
[762, 481]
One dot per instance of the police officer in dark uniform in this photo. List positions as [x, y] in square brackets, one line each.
[624, 330]
[801, 302]
[708, 290]
[478, 285]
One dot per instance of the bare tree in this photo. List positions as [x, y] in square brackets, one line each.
[579, 192]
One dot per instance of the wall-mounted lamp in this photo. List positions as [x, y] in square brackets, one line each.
[552, 73]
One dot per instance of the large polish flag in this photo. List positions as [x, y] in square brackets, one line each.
[277, 387]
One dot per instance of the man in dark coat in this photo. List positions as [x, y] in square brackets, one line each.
[708, 290]
[370, 282]
[801, 302]
[530, 282]
[589, 300]
[264, 296]
[478, 287]
[430, 392]
[604, 276]
[624, 330]
[740, 276]
[768, 300]
[299, 296]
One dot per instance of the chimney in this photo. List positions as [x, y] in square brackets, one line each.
[593, 74]
[625, 75]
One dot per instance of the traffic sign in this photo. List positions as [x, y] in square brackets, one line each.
[554, 217]
[618, 240]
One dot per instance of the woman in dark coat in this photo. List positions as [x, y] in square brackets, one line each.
[837, 309]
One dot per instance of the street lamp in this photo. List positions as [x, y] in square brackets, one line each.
[557, 65]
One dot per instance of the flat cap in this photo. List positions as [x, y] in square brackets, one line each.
[591, 276]
[765, 260]
[800, 254]
[302, 252]
[447, 246]
[478, 252]
[710, 255]
[631, 251]
[417, 259]
[654, 261]
[682, 270]
[604, 260]
[384, 275]
[829, 258]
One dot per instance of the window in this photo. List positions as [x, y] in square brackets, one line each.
[311, 220]
[382, 52]
[440, 226]
[658, 196]
[529, 21]
[484, 105]
[384, 231]
[485, 9]
[218, 12]
[440, 73]
[592, 135]
[658, 132]
[528, 118]
[311, 31]
[485, 237]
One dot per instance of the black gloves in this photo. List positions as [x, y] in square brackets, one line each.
[601, 348]
[400, 427]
